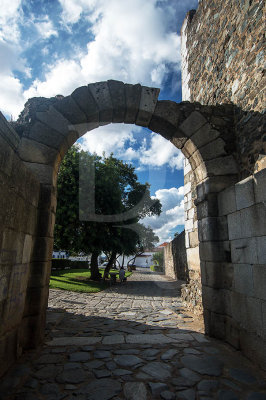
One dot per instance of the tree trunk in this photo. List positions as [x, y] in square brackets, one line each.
[109, 265]
[134, 259]
[95, 274]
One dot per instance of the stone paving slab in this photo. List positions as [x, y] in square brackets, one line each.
[132, 341]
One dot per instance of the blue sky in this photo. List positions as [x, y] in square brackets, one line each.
[50, 47]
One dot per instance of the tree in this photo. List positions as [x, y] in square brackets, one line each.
[158, 258]
[146, 240]
[98, 198]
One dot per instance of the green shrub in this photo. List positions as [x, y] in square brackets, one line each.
[156, 268]
[64, 263]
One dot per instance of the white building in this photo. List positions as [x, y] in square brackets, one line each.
[60, 254]
[144, 260]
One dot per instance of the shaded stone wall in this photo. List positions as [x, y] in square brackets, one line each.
[48, 127]
[235, 288]
[222, 62]
[175, 258]
[18, 220]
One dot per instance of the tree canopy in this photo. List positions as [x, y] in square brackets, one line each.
[100, 203]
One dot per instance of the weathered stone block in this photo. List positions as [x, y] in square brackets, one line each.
[31, 330]
[213, 184]
[46, 223]
[260, 186]
[239, 307]
[259, 276]
[8, 350]
[43, 249]
[36, 300]
[244, 251]
[193, 123]
[117, 92]
[191, 213]
[193, 259]
[193, 238]
[101, 94]
[46, 135]
[6, 157]
[70, 110]
[253, 319]
[211, 274]
[196, 161]
[207, 208]
[133, 93]
[254, 347]
[178, 142]
[264, 316]
[217, 275]
[200, 171]
[189, 224]
[187, 188]
[12, 245]
[204, 136]
[213, 150]
[44, 173]
[54, 120]
[187, 168]
[148, 100]
[165, 119]
[212, 299]
[222, 166]
[234, 225]
[213, 228]
[39, 274]
[32, 151]
[253, 220]
[86, 103]
[261, 249]
[232, 332]
[243, 279]
[213, 251]
[188, 149]
[27, 249]
[227, 201]
[48, 197]
[8, 133]
[245, 193]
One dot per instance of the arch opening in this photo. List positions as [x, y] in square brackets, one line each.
[47, 129]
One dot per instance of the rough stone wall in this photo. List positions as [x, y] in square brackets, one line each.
[205, 135]
[18, 218]
[222, 62]
[175, 258]
[191, 292]
[235, 289]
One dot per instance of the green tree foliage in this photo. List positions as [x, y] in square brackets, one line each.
[146, 240]
[99, 202]
[158, 258]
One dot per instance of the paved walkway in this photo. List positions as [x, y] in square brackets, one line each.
[133, 341]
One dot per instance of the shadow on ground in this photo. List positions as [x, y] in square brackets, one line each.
[92, 357]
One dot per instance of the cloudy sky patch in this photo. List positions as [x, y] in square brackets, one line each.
[53, 47]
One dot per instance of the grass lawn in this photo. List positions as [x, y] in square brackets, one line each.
[77, 280]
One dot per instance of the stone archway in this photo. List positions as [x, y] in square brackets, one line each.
[47, 129]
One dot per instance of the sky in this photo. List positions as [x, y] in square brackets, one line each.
[50, 47]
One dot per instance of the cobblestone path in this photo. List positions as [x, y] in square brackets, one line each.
[133, 341]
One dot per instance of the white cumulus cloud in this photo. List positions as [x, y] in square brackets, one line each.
[172, 201]
[132, 43]
[45, 28]
[119, 139]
